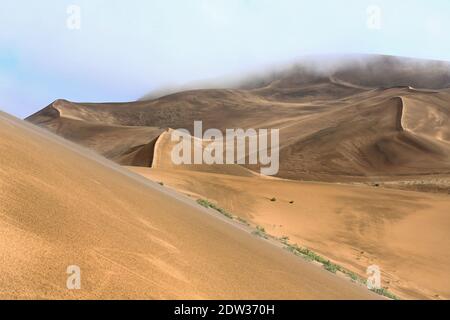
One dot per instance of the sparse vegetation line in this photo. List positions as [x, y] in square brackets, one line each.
[302, 252]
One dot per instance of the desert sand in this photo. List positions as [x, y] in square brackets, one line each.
[63, 205]
[405, 233]
[364, 156]
[341, 127]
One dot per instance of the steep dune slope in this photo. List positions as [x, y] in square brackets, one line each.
[163, 159]
[428, 115]
[132, 145]
[62, 205]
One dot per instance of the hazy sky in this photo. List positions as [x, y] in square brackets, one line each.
[127, 48]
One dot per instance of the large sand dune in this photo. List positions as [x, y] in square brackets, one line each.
[370, 123]
[333, 127]
[405, 233]
[63, 205]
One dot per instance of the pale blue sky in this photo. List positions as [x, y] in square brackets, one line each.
[126, 48]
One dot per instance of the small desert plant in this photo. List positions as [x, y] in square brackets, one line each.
[386, 293]
[312, 256]
[273, 199]
[353, 276]
[259, 228]
[243, 221]
[260, 232]
[332, 267]
[207, 204]
[329, 266]
[224, 212]
[204, 203]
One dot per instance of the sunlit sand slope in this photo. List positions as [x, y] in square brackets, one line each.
[404, 233]
[62, 205]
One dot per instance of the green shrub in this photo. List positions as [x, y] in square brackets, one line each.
[329, 266]
[207, 204]
[260, 234]
[243, 221]
[386, 293]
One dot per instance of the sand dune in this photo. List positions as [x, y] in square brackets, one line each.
[334, 127]
[132, 145]
[363, 140]
[162, 159]
[62, 205]
[405, 233]
[371, 123]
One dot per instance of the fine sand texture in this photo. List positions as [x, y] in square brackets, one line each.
[405, 233]
[63, 205]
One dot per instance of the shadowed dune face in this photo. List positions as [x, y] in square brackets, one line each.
[355, 122]
[428, 116]
[123, 144]
[364, 139]
[62, 205]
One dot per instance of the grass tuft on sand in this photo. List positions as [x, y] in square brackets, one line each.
[208, 204]
[260, 232]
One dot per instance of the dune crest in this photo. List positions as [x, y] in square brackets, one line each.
[335, 125]
[364, 125]
[63, 205]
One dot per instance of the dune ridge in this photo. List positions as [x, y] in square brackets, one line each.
[334, 128]
[349, 135]
[64, 205]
